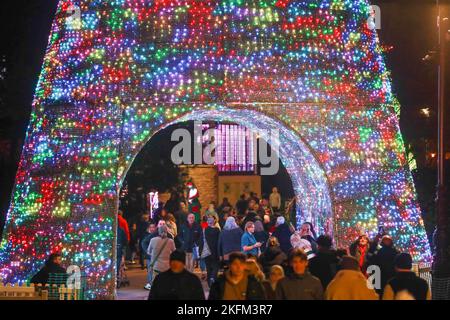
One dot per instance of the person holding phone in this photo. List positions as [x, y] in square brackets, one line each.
[249, 245]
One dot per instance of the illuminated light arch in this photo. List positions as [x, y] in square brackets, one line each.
[312, 192]
[129, 67]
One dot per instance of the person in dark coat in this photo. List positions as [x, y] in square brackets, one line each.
[242, 205]
[260, 234]
[299, 284]
[276, 274]
[272, 256]
[406, 284]
[324, 264]
[230, 238]
[176, 283]
[189, 237]
[212, 261]
[236, 283]
[384, 258]
[52, 265]
[283, 234]
[173, 204]
[142, 226]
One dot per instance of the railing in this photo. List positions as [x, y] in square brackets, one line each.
[423, 270]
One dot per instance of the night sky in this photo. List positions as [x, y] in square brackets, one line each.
[407, 25]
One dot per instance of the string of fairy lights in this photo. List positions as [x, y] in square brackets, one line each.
[115, 71]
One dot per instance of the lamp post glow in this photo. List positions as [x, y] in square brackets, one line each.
[441, 261]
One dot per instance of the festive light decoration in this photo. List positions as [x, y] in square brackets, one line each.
[311, 68]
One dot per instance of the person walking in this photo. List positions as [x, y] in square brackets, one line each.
[209, 244]
[299, 284]
[283, 234]
[177, 283]
[142, 226]
[229, 239]
[235, 283]
[159, 250]
[273, 255]
[249, 245]
[350, 283]
[190, 238]
[405, 282]
[151, 233]
[276, 273]
[325, 263]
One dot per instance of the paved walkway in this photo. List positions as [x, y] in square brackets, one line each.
[138, 279]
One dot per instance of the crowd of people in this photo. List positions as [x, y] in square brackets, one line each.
[250, 252]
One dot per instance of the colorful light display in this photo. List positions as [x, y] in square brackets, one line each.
[128, 68]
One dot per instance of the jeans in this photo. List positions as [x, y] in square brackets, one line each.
[149, 272]
[212, 268]
[189, 262]
[202, 265]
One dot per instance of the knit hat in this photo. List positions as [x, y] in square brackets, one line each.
[178, 255]
[403, 261]
[349, 263]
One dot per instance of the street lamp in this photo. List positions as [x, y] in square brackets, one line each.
[441, 259]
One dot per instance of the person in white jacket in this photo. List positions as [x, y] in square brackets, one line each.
[275, 200]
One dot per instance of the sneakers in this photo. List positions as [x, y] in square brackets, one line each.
[148, 286]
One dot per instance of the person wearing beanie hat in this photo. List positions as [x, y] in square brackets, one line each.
[324, 264]
[384, 258]
[350, 283]
[406, 282]
[179, 256]
[177, 283]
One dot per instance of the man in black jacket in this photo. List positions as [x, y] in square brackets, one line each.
[52, 265]
[189, 237]
[235, 283]
[176, 283]
[212, 261]
[324, 264]
[384, 258]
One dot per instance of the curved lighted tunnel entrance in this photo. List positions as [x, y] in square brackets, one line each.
[312, 193]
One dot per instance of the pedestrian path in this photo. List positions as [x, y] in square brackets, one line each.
[137, 278]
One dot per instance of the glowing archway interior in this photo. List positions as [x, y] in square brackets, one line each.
[314, 203]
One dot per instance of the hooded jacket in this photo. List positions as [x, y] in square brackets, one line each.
[350, 285]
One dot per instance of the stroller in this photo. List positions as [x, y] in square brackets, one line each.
[122, 279]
